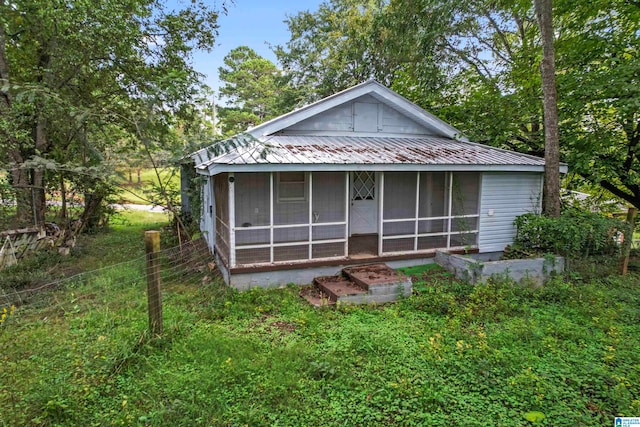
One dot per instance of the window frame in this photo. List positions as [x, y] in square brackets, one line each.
[280, 183]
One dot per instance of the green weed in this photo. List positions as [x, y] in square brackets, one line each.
[451, 354]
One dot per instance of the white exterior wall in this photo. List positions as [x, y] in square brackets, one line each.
[506, 195]
[206, 219]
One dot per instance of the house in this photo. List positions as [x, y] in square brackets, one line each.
[361, 176]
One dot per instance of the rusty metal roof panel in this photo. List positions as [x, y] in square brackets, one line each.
[331, 150]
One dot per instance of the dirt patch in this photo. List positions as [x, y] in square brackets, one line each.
[282, 326]
[315, 296]
[433, 275]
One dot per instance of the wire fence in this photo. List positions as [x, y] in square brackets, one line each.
[189, 263]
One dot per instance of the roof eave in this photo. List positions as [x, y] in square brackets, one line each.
[217, 168]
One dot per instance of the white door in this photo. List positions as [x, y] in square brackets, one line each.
[364, 205]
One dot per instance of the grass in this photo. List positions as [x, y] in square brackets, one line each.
[135, 193]
[449, 355]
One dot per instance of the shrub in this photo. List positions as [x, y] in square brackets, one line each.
[576, 233]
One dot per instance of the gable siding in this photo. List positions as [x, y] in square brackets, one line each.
[509, 195]
[341, 119]
[394, 122]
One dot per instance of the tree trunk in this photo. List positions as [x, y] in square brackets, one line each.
[63, 204]
[21, 183]
[92, 214]
[551, 194]
[37, 175]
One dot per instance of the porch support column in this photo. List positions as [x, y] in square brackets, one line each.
[271, 194]
[310, 254]
[347, 204]
[450, 190]
[415, 231]
[380, 213]
[232, 221]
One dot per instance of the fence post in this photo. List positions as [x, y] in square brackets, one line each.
[154, 294]
[628, 241]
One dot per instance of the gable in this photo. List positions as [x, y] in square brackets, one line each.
[395, 116]
[363, 115]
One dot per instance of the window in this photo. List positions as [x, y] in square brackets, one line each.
[292, 186]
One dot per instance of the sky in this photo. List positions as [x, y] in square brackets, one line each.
[252, 23]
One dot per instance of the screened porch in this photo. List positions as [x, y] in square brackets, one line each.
[265, 218]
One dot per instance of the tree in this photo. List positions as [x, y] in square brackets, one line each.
[335, 47]
[599, 85]
[551, 200]
[73, 74]
[251, 86]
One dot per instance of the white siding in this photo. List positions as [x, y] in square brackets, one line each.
[364, 114]
[206, 219]
[395, 122]
[506, 195]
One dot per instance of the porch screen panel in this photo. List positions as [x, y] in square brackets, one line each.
[290, 253]
[329, 215]
[399, 212]
[251, 209]
[253, 256]
[252, 199]
[399, 195]
[290, 210]
[291, 234]
[446, 215]
[327, 250]
[465, 204]
[465, 193]
[434, 195]
[329, 197]
[221, 194]
[398, 245]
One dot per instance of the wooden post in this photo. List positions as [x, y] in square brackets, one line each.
[154, 294]
[628, 240]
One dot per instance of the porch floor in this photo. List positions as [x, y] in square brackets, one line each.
[363, 246]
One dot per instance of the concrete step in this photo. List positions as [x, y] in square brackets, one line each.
[364, 284]
[375, 276]
[337, 287]
[315, 296]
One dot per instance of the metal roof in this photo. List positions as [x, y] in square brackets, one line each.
[305, 150]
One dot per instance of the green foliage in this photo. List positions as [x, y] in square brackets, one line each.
[562, 354]
[574, 234]
[495, 354]
[341, 44]
[251, 87]
[82, 84]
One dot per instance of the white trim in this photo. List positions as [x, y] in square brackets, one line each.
[450, 179]
[416, 235]
[380, 212]
[443, 233]
[429, 218]
[371, 87]
[296, 243]
[271, 205]
[266, 227]
[304, 182]
[232, 220]
[310, 231]
[347, 201]
[417, 212]
[216, 168]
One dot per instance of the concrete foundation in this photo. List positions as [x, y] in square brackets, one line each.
[302, 275]
[473, 269]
